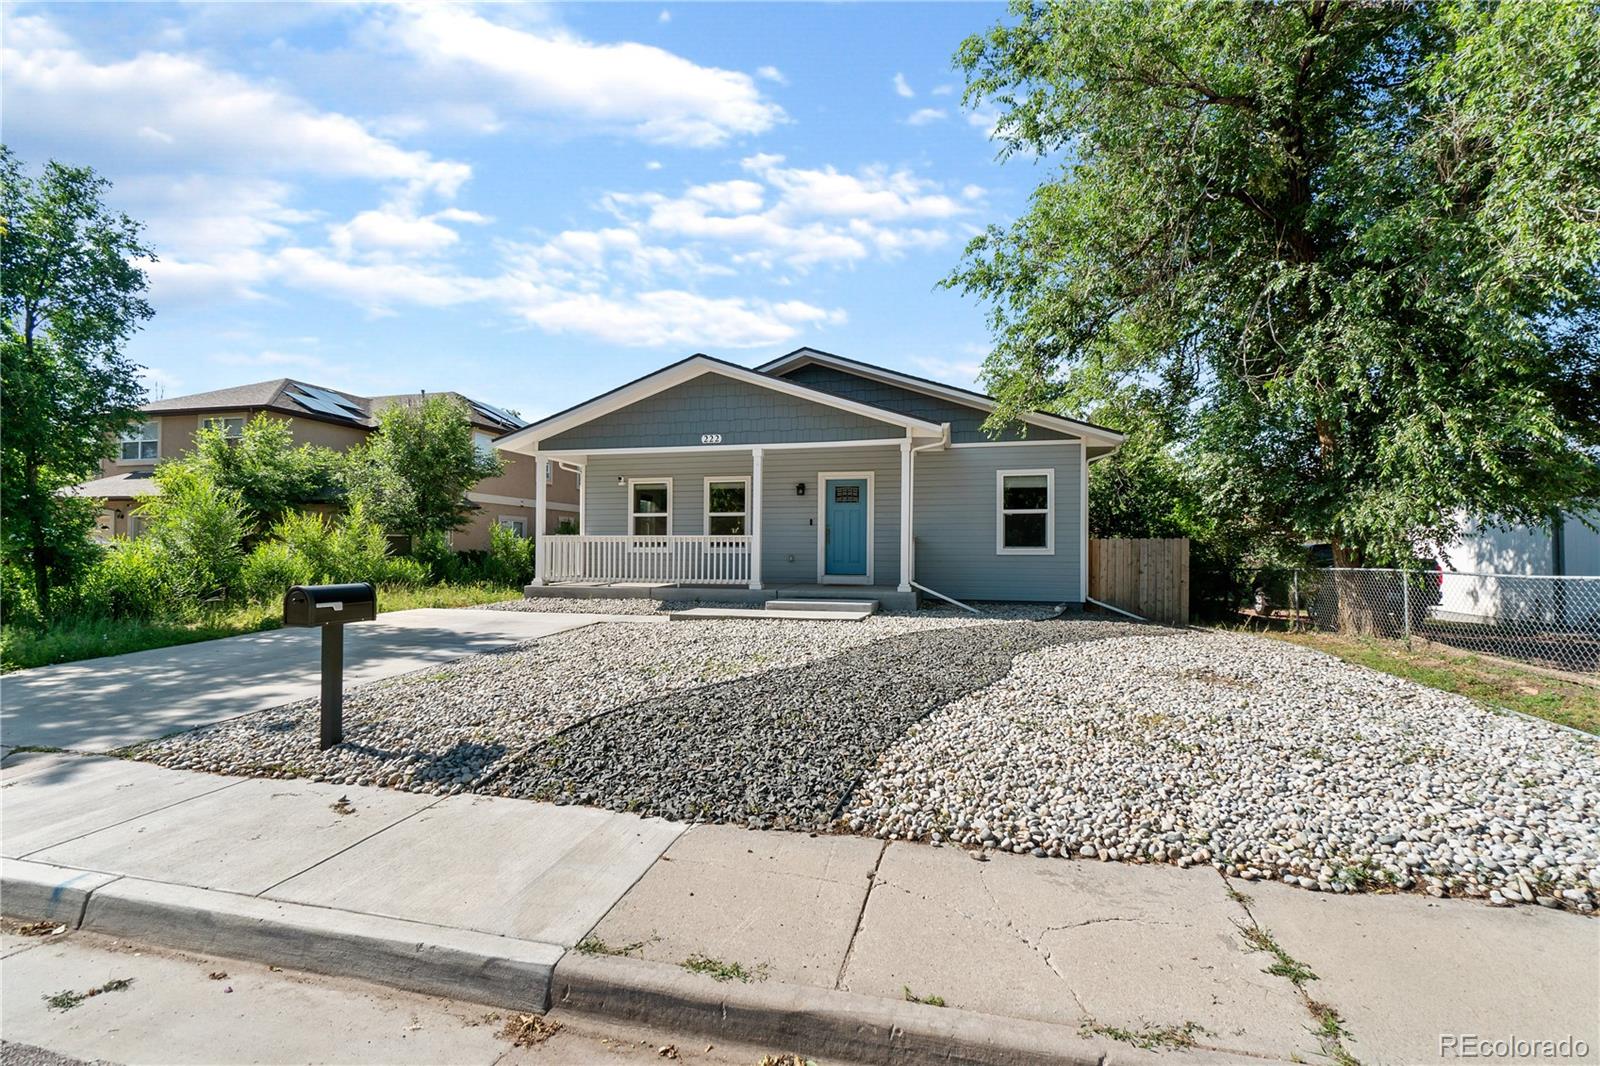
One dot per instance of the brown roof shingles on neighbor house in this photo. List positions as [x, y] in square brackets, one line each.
[304, 400]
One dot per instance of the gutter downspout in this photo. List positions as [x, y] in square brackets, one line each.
[942, 443]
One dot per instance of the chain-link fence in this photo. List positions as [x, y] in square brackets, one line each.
[1548, 621]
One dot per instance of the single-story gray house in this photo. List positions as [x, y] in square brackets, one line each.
[816, 470]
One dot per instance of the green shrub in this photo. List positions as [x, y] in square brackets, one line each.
[269, 570]
[432, 550]
[404, 573]
[200, 528]
[510, 559]
[357, 549]
[134, 579]
[17, 606]
[307, 537]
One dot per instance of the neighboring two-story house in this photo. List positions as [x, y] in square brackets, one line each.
[332, 419]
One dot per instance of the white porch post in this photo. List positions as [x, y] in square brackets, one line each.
[755, 518]
[539, 561]
[905, 514]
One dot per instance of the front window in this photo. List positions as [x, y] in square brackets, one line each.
[141, 443]
[651, 508]
[726, 507]
[519, 526]
[232, 428]
[1026, 518]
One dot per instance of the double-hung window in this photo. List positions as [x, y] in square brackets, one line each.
[232, 428]
[727, 506]
[141, 443]
[483, 444]
[517, 525]
[1025, 519]
[650, 508]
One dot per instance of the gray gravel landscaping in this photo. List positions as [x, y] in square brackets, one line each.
[1259, 757]
[446, 729]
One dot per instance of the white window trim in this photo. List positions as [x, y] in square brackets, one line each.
[705, 505]
[122, 439]
[507, 519]
[823, 477]
[1000, 511]
[632, 481]
[241, 417]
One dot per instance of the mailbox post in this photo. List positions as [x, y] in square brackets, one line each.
[330, 608]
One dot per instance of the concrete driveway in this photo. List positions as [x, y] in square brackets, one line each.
[107, 703]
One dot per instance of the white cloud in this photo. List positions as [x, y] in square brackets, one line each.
[665, 16]
[902, 87]
[654, 164]
[772, 74]
[924, 115]
[960, 372]
[395, 229]
[159, 383]
[172, 109]
[647, 91]
[942, 90]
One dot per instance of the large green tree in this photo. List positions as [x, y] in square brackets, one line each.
[71, 294]
[271, 474]
[413, 474]
[1353, 249]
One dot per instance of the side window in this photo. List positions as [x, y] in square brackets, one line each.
[141, 443]
[1025, 520]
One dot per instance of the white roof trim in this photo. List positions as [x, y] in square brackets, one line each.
[946, 392]
[527, 439]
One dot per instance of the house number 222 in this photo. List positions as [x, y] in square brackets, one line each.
[711, 438]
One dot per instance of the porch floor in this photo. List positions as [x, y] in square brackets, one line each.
[887, 596]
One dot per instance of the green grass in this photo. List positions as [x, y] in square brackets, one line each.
[1500, 684]
[718, 970]
[1149, 1037]
[930, 1000]
[1283, 964]
[73, 640]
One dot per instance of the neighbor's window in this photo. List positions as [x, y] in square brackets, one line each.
[141, 442]
[135, 525]
[726, 507]
[232, 428]
[651, 508]
[519, 526]
[1027, 524]
[484, 444]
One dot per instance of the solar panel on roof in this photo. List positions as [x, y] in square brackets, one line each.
[499, 415]
[326, 402]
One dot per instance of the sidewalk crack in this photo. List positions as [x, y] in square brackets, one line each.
[872, 882]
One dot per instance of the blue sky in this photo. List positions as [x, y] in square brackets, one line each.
[529, 204]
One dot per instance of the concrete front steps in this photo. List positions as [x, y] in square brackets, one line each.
[793, 609]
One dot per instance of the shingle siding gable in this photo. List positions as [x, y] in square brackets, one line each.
[744, 414]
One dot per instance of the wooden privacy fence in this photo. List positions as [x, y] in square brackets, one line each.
[1147, 577]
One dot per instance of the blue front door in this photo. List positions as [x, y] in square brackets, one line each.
[845, 512]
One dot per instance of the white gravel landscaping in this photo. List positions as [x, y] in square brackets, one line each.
[1261, 758]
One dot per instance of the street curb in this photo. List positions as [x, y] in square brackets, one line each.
[40, 892]
[819, 1021]
[455, 963]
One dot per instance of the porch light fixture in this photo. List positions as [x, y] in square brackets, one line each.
[800, 489]
[620, 480]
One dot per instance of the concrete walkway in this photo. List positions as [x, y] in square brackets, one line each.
[815, 944]
[102, 704]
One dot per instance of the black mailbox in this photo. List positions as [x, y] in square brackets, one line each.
[319, 605]
[331, 606]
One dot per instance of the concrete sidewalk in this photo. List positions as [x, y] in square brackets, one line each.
[814, 944]
[102, 704]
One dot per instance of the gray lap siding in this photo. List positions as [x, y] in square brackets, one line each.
[955, 512]
[956, 517]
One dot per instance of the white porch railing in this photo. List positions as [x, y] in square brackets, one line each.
[694, 560]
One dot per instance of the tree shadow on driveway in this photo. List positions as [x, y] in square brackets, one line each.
[781, 749]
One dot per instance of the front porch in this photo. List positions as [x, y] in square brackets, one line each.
[889, 598]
